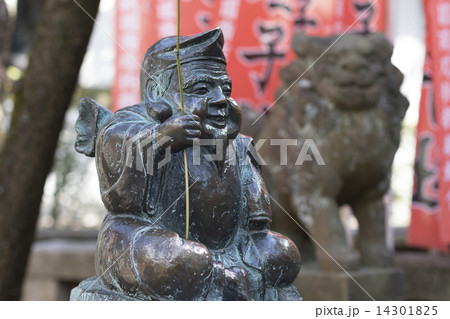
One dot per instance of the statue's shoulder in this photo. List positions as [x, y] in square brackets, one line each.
[93, 118]
[137, 111]
[154, 112]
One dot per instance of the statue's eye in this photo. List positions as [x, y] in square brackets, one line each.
[226, 89]
[372, 57]
[200, 89]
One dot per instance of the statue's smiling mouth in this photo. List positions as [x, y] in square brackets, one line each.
[218, 120]
[351, 82]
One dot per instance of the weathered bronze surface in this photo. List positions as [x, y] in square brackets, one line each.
[231, 254]
[349, 104]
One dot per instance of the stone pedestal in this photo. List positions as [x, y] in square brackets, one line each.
[427, 275]
[383, 284]
[56, 266]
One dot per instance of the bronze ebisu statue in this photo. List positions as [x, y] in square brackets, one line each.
[142, 253]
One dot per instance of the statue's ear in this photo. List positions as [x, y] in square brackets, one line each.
[300, 44]
[307, 46]
[92, 117]
[382, 45]
[159, 111]
[154, 94]
[290, 73]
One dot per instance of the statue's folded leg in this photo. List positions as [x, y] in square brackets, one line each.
[92, 290]
[138, 259]
[278, 258]
[287, 293]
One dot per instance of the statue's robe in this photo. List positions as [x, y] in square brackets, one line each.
[141, 250]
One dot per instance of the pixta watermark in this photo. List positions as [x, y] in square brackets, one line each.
[150, 151]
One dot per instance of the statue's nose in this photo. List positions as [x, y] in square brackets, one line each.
[218, 98]
[353, 63]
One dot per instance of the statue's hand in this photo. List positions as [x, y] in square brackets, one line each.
[182, 130]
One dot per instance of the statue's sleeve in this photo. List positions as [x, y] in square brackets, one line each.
[124, 159]
[272, 253]
[257, 212]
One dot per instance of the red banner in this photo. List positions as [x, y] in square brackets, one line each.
[361, 16]
[257, 34]
[438, 21]
[131, 19]
[423, 230]
[260, 48]
[430, 218]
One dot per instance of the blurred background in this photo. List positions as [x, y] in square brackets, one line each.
[71, 211]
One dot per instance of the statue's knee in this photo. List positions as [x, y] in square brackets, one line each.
[280, 258]
[140, 260]
[172, 268]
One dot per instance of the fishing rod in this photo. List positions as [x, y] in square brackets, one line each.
[180, 83]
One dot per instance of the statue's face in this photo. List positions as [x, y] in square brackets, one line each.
[352, 74]
[207, 90]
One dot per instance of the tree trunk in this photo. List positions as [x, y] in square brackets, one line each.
[28, 12]
[3, 46]
[62, 35]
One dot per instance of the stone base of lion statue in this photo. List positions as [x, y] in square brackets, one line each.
[347, 110]
[365, 284]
